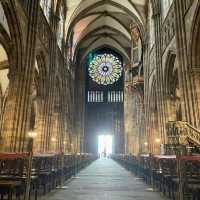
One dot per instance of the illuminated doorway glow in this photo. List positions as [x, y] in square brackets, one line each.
[105, 143]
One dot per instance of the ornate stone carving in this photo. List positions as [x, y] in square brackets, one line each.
[180, 132]
[44, 31]
[168, 28]
[135, 33]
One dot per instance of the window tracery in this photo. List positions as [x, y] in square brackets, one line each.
[105, 69]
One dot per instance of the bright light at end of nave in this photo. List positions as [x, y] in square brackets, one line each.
[105, 145]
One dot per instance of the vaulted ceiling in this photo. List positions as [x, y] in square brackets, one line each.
[92, 24]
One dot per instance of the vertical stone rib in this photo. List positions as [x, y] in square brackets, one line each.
[28, 75]
[159, 74]
[184, 64]
[51, 86]
[21, 82]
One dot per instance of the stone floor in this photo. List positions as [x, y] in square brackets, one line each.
[104, 180]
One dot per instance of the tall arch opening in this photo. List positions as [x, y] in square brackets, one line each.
[4, 84]
[104, 100]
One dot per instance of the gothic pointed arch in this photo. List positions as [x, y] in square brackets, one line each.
[16, 49]
[153, 124]
[95, 20]
[172, 88]
[169, 68]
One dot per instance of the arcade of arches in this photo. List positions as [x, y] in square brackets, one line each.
[71, 70]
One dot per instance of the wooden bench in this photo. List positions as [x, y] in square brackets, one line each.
[13, 174]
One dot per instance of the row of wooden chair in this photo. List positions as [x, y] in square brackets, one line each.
[177, 177]
[43, 172]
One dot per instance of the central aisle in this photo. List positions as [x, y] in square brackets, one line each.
[105, 180]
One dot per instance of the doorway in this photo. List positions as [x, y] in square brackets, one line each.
[105, 145]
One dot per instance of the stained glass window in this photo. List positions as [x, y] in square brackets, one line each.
[105, 69]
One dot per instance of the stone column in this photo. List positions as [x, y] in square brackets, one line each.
[39, 139]
[9, 138]
[146, 63]
[188, 106]
[65, 100]
[17, 111]
[159, 74]
[49, 106]
[55, 135]
[195, 77]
